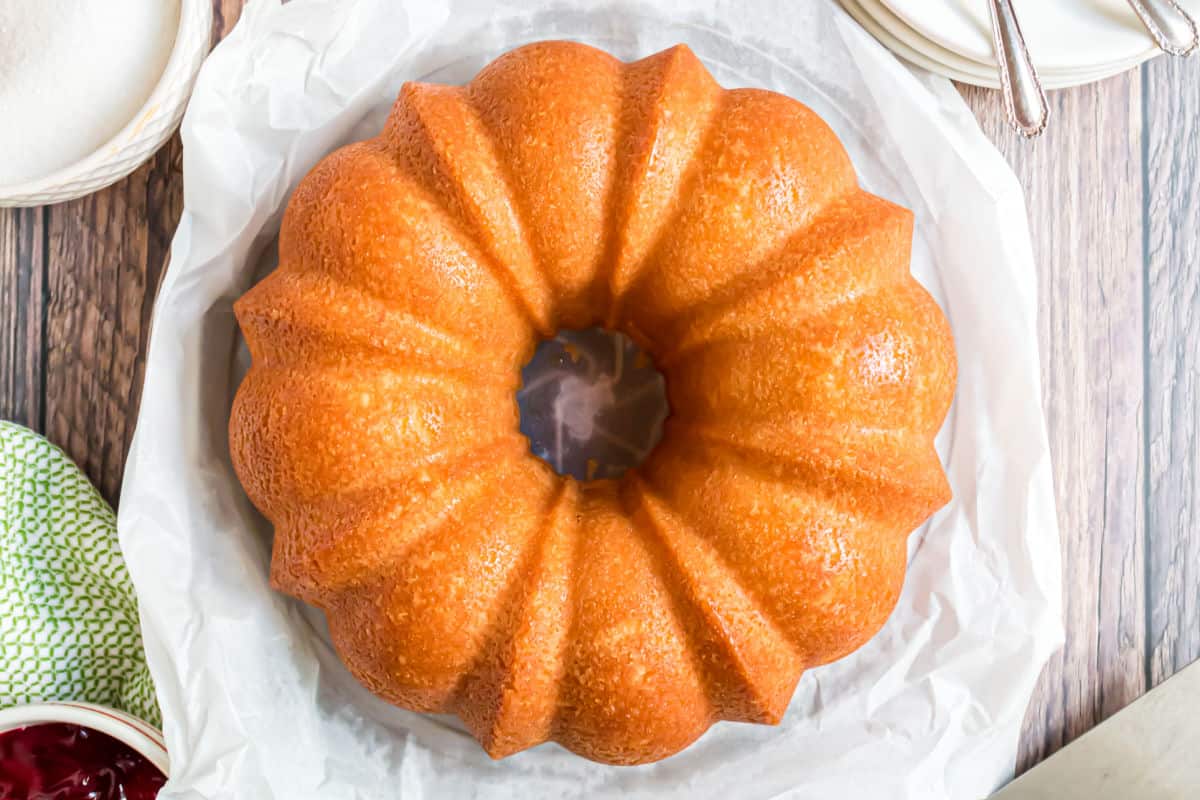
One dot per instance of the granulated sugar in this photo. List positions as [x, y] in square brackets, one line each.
[72, 74]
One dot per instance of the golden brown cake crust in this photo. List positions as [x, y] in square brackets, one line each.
[807, 374]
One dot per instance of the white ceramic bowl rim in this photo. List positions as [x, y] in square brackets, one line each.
[858, 10]
[98, 156]
[140, 736]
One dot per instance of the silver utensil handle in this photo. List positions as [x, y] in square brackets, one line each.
[1024, 98]
[1170, 26]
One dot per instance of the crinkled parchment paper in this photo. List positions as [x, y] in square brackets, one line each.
[255, 703]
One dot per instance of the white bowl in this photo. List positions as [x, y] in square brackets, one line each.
[143, 135]
[131, 731]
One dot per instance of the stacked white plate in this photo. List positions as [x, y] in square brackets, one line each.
[1071, 42]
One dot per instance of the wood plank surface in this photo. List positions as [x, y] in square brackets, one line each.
[1083, 184]
[105, 255]
[22, 284]
[1172, 152]
[225, 16]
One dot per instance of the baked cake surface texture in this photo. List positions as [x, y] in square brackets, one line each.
[723, 230]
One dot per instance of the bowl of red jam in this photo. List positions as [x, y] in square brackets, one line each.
[78, 751]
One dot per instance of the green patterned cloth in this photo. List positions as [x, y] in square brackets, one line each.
[68, 617]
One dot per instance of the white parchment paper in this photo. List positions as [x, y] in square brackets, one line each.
[255, 703]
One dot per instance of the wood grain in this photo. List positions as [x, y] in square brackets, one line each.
[105, 256]
[1083, 182]
[1172, 150]
[22, 278]
[225, 16]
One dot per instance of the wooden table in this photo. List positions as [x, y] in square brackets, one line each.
[1114, 201]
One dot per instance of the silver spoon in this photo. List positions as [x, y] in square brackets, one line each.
[1170, 26]
[1023, 96]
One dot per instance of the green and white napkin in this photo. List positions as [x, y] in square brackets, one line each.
[69, 625]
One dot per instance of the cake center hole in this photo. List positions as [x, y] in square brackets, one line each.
[592, 403]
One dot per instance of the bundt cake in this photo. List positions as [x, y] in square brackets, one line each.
[724, 231]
